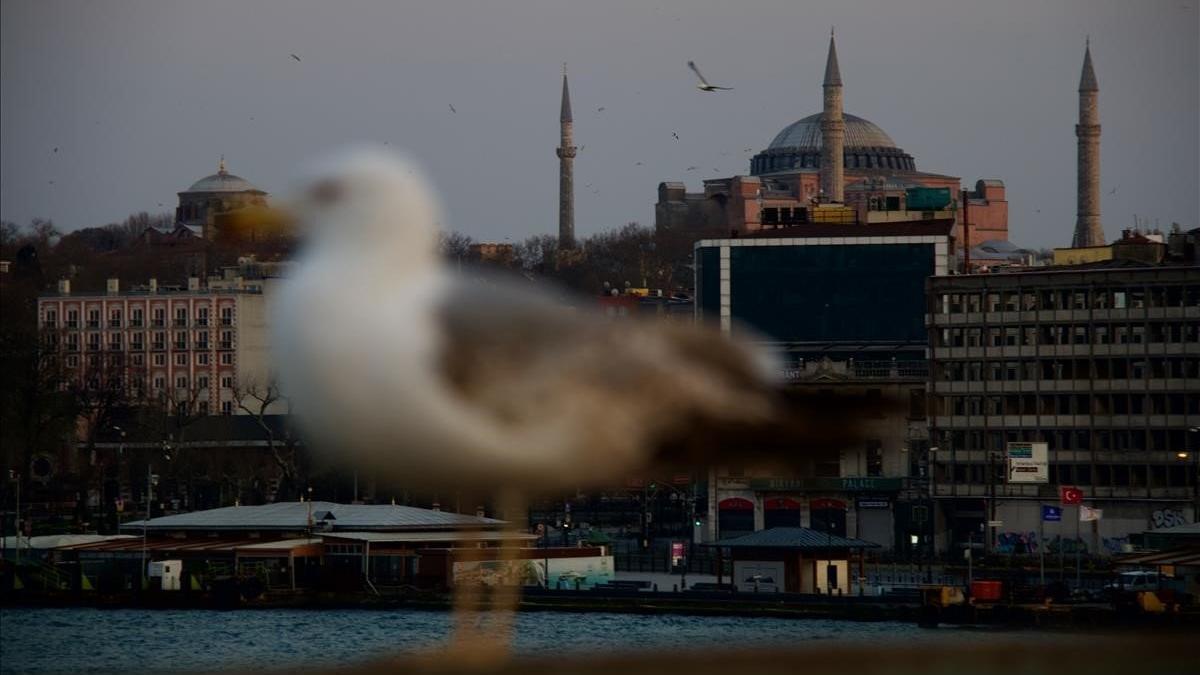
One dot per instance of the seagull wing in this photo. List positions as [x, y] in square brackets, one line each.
[692, 65]
[607, 398]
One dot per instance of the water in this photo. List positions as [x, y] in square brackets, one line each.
[98, 640]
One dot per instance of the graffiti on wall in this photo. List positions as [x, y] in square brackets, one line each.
[1163, 518]
[1114, 545]
[1017, 542]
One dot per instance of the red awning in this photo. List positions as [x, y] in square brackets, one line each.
[735, 504]
[788, 503]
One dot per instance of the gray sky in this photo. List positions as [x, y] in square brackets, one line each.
[141, 98]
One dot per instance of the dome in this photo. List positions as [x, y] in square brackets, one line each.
[806, 133]
[798, 147]
[222, 181]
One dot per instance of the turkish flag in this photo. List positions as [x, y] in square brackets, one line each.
[1070, 495]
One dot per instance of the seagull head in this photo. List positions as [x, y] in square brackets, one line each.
[368, 202]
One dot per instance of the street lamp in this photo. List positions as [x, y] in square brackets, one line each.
[151, 481]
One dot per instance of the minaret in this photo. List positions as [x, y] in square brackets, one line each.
[1088, 231]
[566, 171]
[833, 130]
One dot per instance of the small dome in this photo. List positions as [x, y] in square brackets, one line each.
[806, 133]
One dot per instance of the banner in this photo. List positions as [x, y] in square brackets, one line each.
[1088, 514]
[1028, 463]
[1051, 514]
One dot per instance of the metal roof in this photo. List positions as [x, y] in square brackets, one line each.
[222, 182]
[420, 537]
[797, 538]
[59, 540]
[1180, 556]
[294, 516]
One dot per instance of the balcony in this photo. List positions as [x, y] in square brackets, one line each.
[158, 323]
[135, 323]
[50, 323]
[226, 344]
[227, 321]
[114, 323]
[72, 323]
[93, 323]
[180, 323]
[160, 346]
[202, 321]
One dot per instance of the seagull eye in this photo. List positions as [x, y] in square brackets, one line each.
[327, 192]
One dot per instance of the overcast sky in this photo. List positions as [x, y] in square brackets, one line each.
[141, 98]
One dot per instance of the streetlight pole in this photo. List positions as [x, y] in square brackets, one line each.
[150, 478]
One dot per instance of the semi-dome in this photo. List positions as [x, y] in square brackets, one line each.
[798, 146]
[806, 133]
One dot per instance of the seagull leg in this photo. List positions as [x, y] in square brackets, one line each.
[506, 596]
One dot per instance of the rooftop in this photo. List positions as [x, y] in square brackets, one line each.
[796, 538]
[294, 516]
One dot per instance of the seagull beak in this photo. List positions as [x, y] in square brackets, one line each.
[258, 223]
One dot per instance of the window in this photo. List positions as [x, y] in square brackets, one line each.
[226, 407]
[114, 342]
[227, 358]
[227, 382]
[93, 318]
[226, 339]
[139, 359]
[51, 318]
[160, 317]
[72, 318]
[181, 382]
[181, 316]
[72, 361]
[874, 458]
[160, 382]
[181, 340]
[160, 359]
[181, 359]
[135, 319]
[226, 316]
[202, 316]
[94, 342]
[203, 407]
[114, 318]
[202, 359]
[202, 382]
[202, 340]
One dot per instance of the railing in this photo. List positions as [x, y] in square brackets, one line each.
[873, 369]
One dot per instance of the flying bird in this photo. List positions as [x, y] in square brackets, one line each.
[704, 85]
[56, 148]
[675, 135]
[638, 164]
[600, 109]
[296, 57]
[483, 384]
[452, 108]
[690, 168]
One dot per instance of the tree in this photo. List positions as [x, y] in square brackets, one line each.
[257, 399]
[455, 246]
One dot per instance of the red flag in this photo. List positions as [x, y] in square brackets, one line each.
[1070, 495]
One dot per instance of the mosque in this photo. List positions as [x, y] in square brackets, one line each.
[208, 198]
[829, 158]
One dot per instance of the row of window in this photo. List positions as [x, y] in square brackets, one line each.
[1071, 404]
[136, 318]
[137, 341]
[1100, 440]
[1157, 332]
[1020, 300]
[181, 359]
[1116, 368]
[1176, 475]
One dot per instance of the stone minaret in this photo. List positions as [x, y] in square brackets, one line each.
[566, 172]
[833, 130]
[1088, 231]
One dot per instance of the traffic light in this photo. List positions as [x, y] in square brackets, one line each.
[697, 522]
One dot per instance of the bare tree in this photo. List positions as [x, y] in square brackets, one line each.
[258, 399]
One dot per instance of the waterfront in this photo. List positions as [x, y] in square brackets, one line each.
[124, 640]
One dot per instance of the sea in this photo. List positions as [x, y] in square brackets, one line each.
[84, 640]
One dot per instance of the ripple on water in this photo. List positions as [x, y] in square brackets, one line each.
[90, 640]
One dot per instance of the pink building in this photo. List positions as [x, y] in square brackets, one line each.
[189, 345]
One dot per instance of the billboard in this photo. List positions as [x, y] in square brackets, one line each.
[1028, 463]
[567, 573]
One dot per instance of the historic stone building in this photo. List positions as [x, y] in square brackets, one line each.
[827, 158]
[212, 196]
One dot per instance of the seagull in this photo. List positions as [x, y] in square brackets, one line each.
[452, 108]
[638, 164]
[675, 135]
[478, 384]
[1113, 191]
[296, 57]
[600, 109]
[56, 148]
[690, 168]
[704, 85]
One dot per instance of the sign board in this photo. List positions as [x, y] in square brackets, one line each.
[873, 503]
[1051, 514]
[678, 553]
[995, 523]
[1028, 463]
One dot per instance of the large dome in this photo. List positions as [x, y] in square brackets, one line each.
[222, 181]
[806, 133]
[798, 146]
